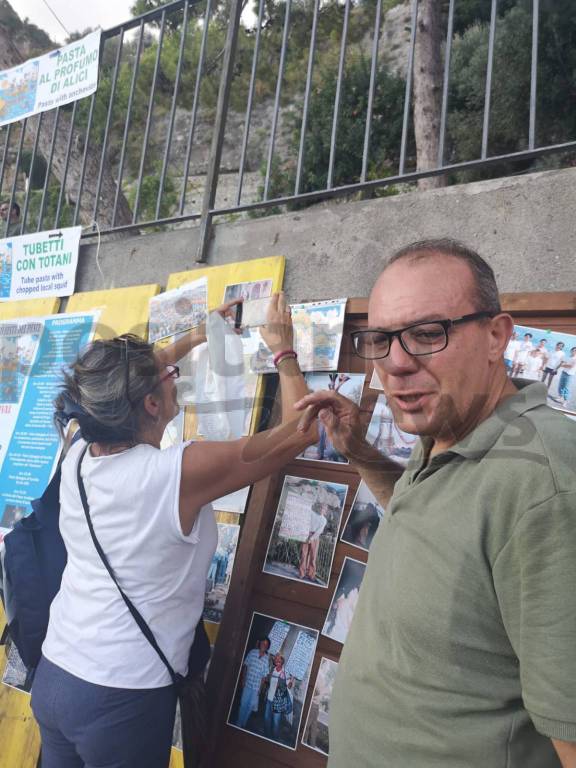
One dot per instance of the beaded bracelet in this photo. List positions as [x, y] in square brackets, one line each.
[285, 354]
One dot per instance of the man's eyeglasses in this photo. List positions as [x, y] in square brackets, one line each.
[172, 372]
[419, 339]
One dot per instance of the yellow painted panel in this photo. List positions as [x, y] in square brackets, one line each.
[176, 759]
[268, 268]
[123, 310]
[9, 310]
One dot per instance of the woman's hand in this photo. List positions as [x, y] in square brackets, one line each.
[278, 333]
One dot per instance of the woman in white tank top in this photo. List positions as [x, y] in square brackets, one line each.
[151, 513]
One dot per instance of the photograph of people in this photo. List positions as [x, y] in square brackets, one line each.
[305, 530]
[152, 515]
[219, 573]
[345, 600]
[271, 688]
[364, 518]
[384, 435]
[257, 289]
[349, 385]
[316, 729]
[549, 360]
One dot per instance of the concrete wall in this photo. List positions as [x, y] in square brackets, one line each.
[524, 226]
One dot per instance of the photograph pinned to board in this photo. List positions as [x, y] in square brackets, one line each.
[178, 310]
[317, 725]
[535, 354]
[305, 530]
[318, 329]
[364, 517]
[348, 385]
[384, 435]
[345, 600]
[220, 572]
[234, 502]
[270, 691]
[15, 674]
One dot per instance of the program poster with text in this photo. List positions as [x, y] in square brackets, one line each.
[57, 78]
[33, 354]
[39, 265]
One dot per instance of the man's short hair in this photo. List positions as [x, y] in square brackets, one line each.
[15, 206]
[487, 298]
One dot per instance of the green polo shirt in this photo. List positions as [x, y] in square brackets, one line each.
[462, 651]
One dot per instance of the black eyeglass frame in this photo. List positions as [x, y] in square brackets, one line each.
[446, 325]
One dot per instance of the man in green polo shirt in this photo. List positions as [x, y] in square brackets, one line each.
[462, 650]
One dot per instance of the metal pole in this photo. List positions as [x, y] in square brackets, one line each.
[32, 161]
[488, 91]
[408, 93]
[373, 72]
[534, 73]
[127, 122]
[195, 103]
[219, 128]
[250, 100]
[447, 58]
[49, 167]
[330, 182]
[15, 181]
[277, 98]
[66, 164]
[149, 117]
[172, 111]
[311, 52]
[108, 123]
[5, 155]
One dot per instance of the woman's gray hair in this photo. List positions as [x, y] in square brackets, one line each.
[106, 387]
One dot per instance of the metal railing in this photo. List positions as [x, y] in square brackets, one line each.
[107, 164]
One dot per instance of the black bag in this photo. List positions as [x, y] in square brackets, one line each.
[190, 689]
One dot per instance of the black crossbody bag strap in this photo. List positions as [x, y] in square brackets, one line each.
[146, 631]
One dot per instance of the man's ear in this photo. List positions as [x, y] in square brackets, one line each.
[502, 327]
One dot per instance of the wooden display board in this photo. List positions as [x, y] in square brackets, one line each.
[251, 590]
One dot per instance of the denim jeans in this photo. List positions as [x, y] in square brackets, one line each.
[272, 721]
[248, 701]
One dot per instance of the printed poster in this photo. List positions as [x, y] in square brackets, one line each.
[39, 265]
[60, 77]
[178, 310]
[318, 329]
[33, 353]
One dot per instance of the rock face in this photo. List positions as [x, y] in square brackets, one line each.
[394, 41]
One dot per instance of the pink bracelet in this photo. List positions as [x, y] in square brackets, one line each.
[286, 353]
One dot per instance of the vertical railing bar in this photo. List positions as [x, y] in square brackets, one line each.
[277, 96]
[15, 181]
[149, 116]
[32, 161]
[309, 73]
[195, 103]
[534, 73]
[66, 164]
[5, 155]
[48, 170]
[108, 123]
[372, 89]
[127, 122]
[488, 91]
[249, 102]
[336, 113]
[447, 57]
[83, 171]
[408, 92]
[172, 110]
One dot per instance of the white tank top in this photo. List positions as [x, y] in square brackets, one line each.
[134, 506]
